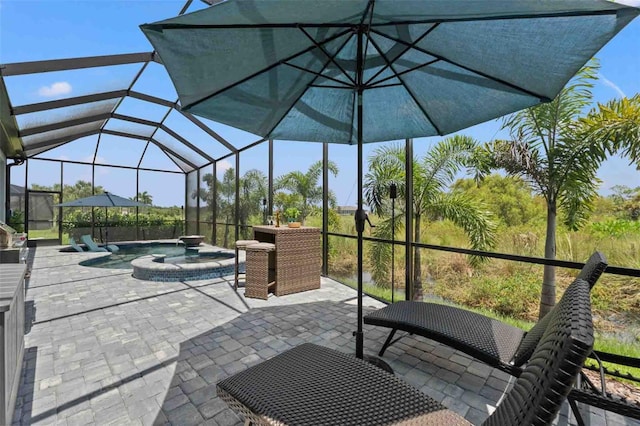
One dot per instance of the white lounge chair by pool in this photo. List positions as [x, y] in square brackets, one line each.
[94, 247]
[74, 245]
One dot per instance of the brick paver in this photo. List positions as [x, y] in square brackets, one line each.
[102, 347]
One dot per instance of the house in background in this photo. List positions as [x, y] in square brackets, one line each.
[346, 210]
[17, 197]
[41, 206]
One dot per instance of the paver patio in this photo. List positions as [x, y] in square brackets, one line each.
[102, 347]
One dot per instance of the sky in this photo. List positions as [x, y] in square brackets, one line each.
[34, 30]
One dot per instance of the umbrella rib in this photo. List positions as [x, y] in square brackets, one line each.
[407, 88]
[347, 25]
[110, 199]
[568, 14]
[239, 82]
[331, 57]
[398, 74]
[542, 98]
[330, 86]
[344, 85]
[406, 49]
[381, 86]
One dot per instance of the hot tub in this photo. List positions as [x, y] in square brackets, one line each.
[210, 262]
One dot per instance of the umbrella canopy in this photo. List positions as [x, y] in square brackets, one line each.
[287, 69]
[102, 200]
[362, 71]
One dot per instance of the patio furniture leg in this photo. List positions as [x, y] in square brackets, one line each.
[574, 409]
[387, 342]
[236, 273]
[240, 245]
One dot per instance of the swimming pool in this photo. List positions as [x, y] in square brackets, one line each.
[156, 261]
[123, 257]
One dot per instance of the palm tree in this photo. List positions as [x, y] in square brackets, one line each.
[305, 185]
[253, 188]
[225, 199]
[432, 175]
[145, 198]
[549, 149]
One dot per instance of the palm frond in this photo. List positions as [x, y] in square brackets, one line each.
[380, 254]
[520, 159]
[541, 126]
[469, 215]
[442, 163]
[576, 200]
[386, 166]
[616, 125]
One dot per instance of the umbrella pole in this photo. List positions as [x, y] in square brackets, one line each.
[360, 215]
[106, 228]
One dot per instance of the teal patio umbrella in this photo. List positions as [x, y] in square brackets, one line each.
[105, 200]
[359, 71]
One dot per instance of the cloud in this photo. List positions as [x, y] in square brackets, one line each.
[612, 85]
[223, 165]
[58, 88]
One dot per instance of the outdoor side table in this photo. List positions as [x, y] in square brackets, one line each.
[298, 256]
[315, 385]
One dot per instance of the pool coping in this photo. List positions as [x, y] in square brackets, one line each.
[150, 268]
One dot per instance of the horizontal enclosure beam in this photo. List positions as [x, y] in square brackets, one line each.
[152, 99]
[616, 270]
[63, 124]
[21, 68]
[135, 120]
[61, 103]
[187, 143]
[61, 140]
[210, 132]
[84, 163]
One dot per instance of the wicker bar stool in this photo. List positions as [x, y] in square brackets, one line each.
[261, 270]
[241, 245]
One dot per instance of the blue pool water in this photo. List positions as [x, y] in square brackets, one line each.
[122, 258]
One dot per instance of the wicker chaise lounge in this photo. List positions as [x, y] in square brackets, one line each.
[490, 341]
[314, 385]
[493, 342]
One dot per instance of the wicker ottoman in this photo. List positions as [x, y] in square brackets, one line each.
[261, 270]
[240, 245]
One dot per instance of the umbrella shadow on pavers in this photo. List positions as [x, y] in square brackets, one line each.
[262, 333]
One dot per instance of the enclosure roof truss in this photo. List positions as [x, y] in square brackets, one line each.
[100, 113]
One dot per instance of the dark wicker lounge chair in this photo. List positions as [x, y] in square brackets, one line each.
[313, 385]
[491, 341]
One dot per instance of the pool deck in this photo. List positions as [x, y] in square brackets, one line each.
[102, 347]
